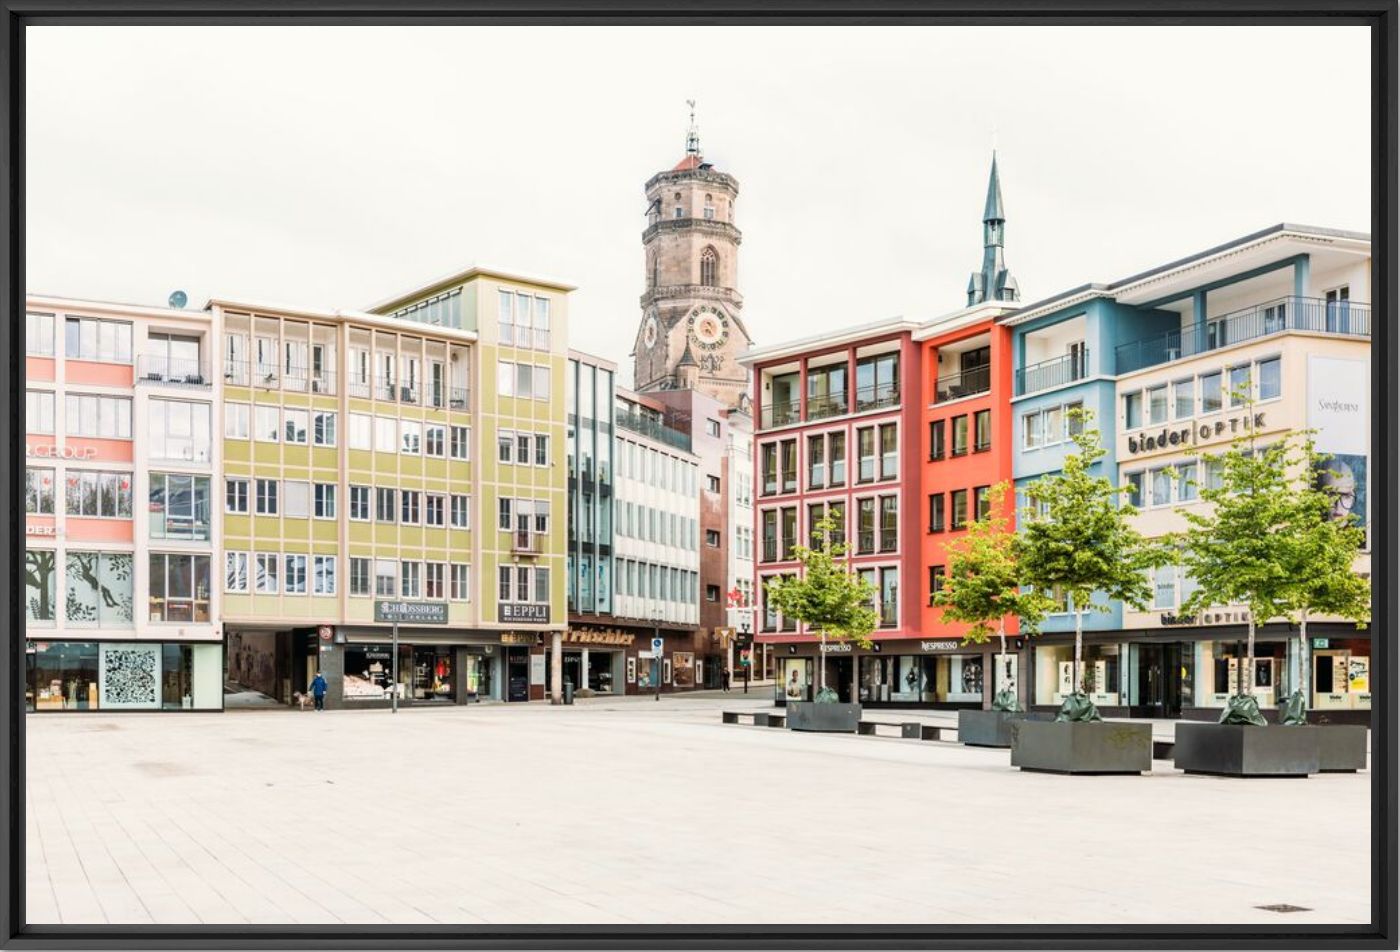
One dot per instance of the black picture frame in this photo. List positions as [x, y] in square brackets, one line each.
[1380, 15]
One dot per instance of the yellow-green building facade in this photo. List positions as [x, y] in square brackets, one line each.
[411, 453]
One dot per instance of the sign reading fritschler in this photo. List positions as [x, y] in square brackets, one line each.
[411, 613]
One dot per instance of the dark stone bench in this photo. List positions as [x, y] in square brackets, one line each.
[912, 730]
[1163, 749]
[756, 718]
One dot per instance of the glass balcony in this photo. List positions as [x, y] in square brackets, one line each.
[876, 397]
[781, 413]
[1346, 318]
[826, 405]
[1052, 373]
[965, 383]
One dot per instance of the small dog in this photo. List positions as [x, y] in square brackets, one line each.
[300, 699]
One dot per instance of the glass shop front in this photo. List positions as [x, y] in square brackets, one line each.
[123, 676]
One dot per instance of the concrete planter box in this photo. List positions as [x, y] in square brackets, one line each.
[1340, 747]
[812, 716]
[1075, 747]
[991, 728]
[1238, 750]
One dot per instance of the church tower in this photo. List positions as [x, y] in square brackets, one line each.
[691, 334]
[994, 282]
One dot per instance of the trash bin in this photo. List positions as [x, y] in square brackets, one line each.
[568, 691]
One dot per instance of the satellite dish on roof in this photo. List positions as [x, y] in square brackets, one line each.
[178, 299]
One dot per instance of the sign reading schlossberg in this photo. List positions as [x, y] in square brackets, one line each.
[1193, 433]
[531, 613]
[411, 613]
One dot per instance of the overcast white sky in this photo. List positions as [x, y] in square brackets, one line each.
[334, 166]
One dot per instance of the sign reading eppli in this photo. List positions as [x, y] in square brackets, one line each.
[414, 613]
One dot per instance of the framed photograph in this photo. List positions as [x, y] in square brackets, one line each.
[419, 397]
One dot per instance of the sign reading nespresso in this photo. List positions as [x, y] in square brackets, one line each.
[1194, 433]
[531, 613]
[411, 613]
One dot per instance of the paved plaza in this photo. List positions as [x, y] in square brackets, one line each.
[637, 811]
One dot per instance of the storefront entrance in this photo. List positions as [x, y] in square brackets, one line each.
[518, 674]
[1158, 678]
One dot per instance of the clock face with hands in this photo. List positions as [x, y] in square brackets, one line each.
[650, 331]
[708, 327]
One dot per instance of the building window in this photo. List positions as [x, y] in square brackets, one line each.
[1132, 410]
[1032, 430]
[789, 459]
[837, 451]
[386, 435]
[1186, 482]
[1270, 378]
[102, 495]
[461, 582]
[434, 510]
[359, 503]
[179, 505]
[434, 440]
[889, 451]
[324, 501]
[712, 428]
[1157, 405]
[179, 431]
[99, 589]
[38, 491]
[935, 512]
[865, 454]
[712, 538]
[435, 580]
[266, 423]
[981, 502]
[266, 574]
[506, 317]
[294, 574]
[38, 334]
[1161, 482]
[87, 338]
[294, 424]
[959, 509]
[712, 483]
[889, 523]
[265, 497]
[936, 575]
[359, 576]
[385, 578]
[237, 421]
[1134, 492]
[461, 508]
[935, 440]
[525, 381]
[38, 411]
[296, 499]
[410, 437]
[960, 443]
[1183, 399]
[179, 587]
[789, 532]
[410, 579]
[708, 265]
[323, 575]
[385, 504]
[889, 602]
[460, 442]
[1239, 385]
[236, 571]
[409, 508]
[110, 418]
[768, 466]
[541, 339]
[865, 525]
[1211, 393]
[323, 428]
[983, 430]
[877, 382]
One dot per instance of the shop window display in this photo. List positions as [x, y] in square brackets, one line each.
[368, 672]
[1341, 675]
[796, 683]
[1220, 668]
[479, 676]
[62, 676]
[1054, 677]
[432, 673]
[683, 665]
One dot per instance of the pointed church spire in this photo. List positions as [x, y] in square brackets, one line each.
[692, 134]
[993, 210]
[994, 282]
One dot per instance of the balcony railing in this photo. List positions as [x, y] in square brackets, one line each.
[526, 543]
[827, 405]
[1053, 373]
[965, 383]
[780, 413]
[1347, 318]
[876, 397]
[156, 368]
[656, 430]
[243, 373]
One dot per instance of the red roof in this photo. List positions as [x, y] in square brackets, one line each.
[688, 164]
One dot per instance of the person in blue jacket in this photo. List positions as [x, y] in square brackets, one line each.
[318, 691]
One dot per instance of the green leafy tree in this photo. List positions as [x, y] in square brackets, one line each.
[1077, 538]
[1242, 550]
[828, 597]
[1322, 553]
[985, 585]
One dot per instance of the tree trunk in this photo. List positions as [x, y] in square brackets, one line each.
[821, 666]
[1001, 633]
[1304, 660]
[1247, 687]
[556, 668]
[1078, 684]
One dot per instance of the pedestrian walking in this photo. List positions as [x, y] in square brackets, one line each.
[318, 691]
[724, 677]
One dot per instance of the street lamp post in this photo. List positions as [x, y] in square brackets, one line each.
[745, 645]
